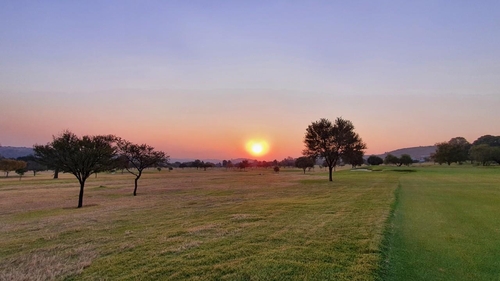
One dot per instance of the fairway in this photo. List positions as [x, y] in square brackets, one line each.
[445, 225]
[196, 225]
[417, 223]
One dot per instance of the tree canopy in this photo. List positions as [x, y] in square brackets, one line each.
[374, 160]
[304, 163]
[455, 150]
[79, 156]
[332, 141]
[139, 158]
[9, 165]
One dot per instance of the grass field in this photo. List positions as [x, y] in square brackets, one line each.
[422, 223]
[446, 225]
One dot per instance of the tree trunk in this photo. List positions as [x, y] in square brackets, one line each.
[56, 173]
[34, 173]
[80, 197]
[135, 188]
[304, 171]
[330, 169]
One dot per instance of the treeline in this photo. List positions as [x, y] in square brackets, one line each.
[390, 159]
[483, 151]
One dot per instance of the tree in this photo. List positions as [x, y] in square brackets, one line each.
[9, 165]
[21, 169]
[375, 160]
[482, 153]
[331, 141]
[287, 162]
[79, 156]
[488, 139]
[459, 149]
[391, 159]
[405, 159]
[354, 157]
[243, 164]
[32, 164]
[304, 163]
[139, 158]
[455, 150]
[197, 163]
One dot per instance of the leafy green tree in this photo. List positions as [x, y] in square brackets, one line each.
[405, 159]
[488, 140]
[331, 141]
[304, 163]
[139, 158]
[455, 150]
[443, 153]
[375, 160]
[483, 153]
[459, 149]
[9, 165]
[79, 156]
[391, 160]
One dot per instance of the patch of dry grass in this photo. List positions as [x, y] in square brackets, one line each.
[195, 225]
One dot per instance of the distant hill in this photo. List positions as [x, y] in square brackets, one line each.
[417, 153]
[14, 152]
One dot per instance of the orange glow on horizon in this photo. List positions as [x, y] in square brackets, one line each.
[257, 147]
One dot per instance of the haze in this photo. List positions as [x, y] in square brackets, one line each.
[200, 79]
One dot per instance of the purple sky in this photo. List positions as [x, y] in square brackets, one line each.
[201, 78]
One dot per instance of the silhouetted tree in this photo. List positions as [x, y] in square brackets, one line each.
[79, 156]
[405, 159]
[331, 141]
[32, 164]
[354, 157]
[488, 139]
[304, 163]
[391, 159]
[375, 160]
[139, 158]
[197, 163]
[243, 164]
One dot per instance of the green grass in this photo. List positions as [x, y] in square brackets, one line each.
[395, 223]
[445, 225]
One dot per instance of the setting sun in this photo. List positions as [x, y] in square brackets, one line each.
[257, 147]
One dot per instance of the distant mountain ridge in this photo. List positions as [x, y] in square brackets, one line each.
[14, 152]
[416, 153]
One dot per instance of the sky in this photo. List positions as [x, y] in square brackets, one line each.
[199, 79]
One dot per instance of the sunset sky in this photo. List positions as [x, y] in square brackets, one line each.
[199, 79]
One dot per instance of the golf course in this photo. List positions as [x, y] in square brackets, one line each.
[423, 222]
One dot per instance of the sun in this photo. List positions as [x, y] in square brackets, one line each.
[257, 147]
